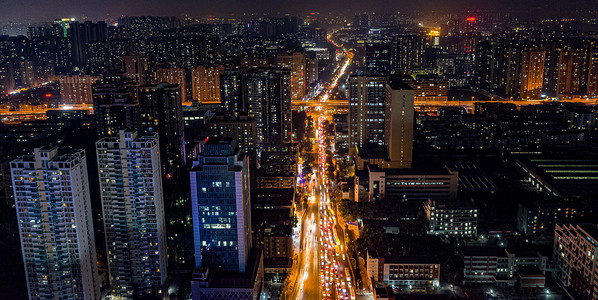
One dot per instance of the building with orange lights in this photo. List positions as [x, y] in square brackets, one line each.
[296, 62]
[173, 76]
[428, 88]
[76, 89]
[593, 71]
[205, 83]
[532, 73]
[419, 271]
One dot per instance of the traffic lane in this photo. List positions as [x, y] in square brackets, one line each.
[345, 274]
[306, 255]
[310, 263]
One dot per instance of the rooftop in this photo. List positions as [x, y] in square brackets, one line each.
[590, 229]
[412, 171]
[410, 260]
[275, 197]
[570, 176]
[422, 296]
[246, 280]
[472, 177]
[396, 83]
[457, 204]
[529, 271]
[371, 150]
[483, 251]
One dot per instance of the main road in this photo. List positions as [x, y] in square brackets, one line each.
[306, 266]
[321, 267]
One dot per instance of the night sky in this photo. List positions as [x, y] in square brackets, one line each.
[47, 10]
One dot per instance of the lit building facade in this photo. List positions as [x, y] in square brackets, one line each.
[408, 53]
[115, 106]
[532, 73]
[53, 205]
[7, 79]
[377, 59]
[272, 225]
[278, 166]
[404, 271]
[399, 118]
[221, 206]
[518, 69]
[205, 83]
[133, 209]
[296, 63]
[428, 88]
[76, 89]
[592, 71]
[134, 67]
[367, 97]
[161, 112]
[173, 76]
[540, 217]
[421, 185]
[451, 219]
[499, 266]
[576, 253]
[242, 127]
[405, 184]
[264, 95]
[572, 60]
[485, 265]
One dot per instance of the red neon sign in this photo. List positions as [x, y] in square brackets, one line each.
[470, 19]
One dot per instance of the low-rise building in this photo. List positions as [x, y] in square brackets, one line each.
[278, 166]
[471, 177]
[540, 216]
[484, 265]
[531, 277]
[580, 117]
[272, 226]
[448, 218]
[428, 88]
[576, 254]
[406, 184]
[498, 266]
[419, 271]
[560, 175]
[248, 285]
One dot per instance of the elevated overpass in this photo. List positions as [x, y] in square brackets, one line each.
[342, 106]
[433, 105]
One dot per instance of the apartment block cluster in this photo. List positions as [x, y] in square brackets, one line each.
[53, 204]
[465, 168]
[194, 165]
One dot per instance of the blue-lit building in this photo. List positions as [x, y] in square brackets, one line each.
[221, 206]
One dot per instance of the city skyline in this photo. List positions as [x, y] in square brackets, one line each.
[447, 152]
[47, 11]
